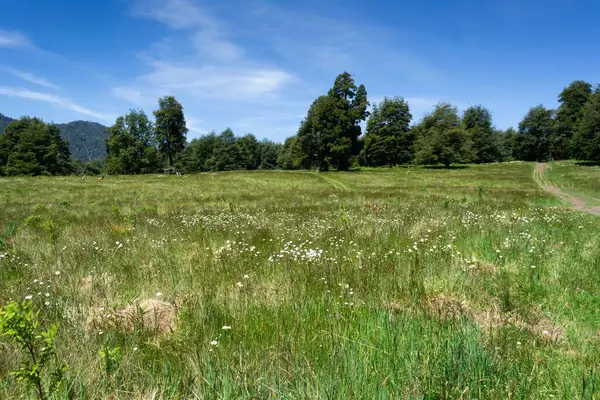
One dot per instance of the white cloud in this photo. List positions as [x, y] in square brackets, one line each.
[203, 64]
[133, 96]
[192, 125]
[209, 42]
[53, 99]
[215, 82]
[178, 14]
[29, 77]
[13, 39]
[207, 33]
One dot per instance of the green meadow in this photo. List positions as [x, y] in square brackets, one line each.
[399, 283]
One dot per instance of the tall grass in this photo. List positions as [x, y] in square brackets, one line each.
[394, 283]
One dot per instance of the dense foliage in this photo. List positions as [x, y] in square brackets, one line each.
[441, 139]
[31, 147]
[330, 137]
[389, 139]
[4, 121]
[226, 152]
[170, 128]
[86, 139]
[131, 145]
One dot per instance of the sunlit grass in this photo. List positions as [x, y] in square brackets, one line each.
[390, 283]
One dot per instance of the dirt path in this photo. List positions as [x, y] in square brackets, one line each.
[540, 178]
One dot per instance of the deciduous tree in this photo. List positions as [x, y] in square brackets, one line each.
[477, 122]
[171, 129]
[388, 140]
[532, 143]
[586, 142]
[441, 139]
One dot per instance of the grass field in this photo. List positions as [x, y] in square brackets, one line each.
[578, 178]
[409, 283]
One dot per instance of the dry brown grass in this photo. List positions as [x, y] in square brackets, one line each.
[491, 317]
[148, 314]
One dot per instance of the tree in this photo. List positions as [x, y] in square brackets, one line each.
[198, 152]
[171, 129]
[268, 154]
[388, 140]
[586, 142]
[131, 146]
[477, 122]
[440, 138]
[28, 146]
[506, 143]
[248, 152]
[291, 155]
[572, 101]
[532, 142]
[328, 136]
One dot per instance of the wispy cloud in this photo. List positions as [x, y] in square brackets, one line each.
[206, 32]
[31, 78]
[13, 39]
[178, 14]
[204, 63]
[53, 99]
[327, 44]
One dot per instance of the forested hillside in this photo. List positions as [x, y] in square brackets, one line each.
[4, 120]
[86, 139]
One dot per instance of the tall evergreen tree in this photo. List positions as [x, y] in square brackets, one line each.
[388, 140]
[170, 128]
[477, 122]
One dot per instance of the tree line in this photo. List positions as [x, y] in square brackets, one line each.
[330, 137]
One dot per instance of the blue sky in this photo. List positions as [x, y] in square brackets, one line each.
[256, 66]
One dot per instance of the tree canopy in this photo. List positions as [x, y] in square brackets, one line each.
[388, 140]
[131, 145]
[477, 122]
[441, 139]
[586, 141]
[171, 129]
[535, 130]
[29, 146]
[328, 136]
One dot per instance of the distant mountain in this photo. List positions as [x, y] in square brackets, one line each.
[86, 139]
[4, 120]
